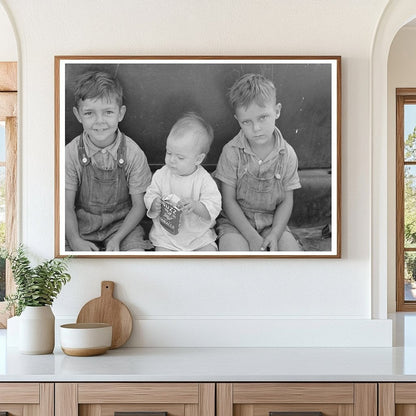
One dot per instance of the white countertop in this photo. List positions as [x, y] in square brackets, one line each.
[221, 364]
[215, 364]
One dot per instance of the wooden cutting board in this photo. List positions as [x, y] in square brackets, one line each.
[109, 310]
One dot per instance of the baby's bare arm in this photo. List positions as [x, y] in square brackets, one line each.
[197, 207]
[156, 207]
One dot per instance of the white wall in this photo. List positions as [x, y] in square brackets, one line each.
[401, 74]
[211, 301]
[8, 46]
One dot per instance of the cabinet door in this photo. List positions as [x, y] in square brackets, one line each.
[142, 399]
[397, 399]
[297, 399]
[26, 399]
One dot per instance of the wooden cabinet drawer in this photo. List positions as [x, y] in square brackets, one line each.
[397, 399]
[21, 399]
[105, 399]
[262, 399]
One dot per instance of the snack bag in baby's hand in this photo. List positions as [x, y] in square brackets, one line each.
[170, 214]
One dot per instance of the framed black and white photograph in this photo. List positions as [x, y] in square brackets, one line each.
[198, 156]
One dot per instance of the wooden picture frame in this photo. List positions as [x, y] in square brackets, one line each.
[160, 89]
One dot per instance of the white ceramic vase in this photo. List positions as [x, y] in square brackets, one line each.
[37, 330]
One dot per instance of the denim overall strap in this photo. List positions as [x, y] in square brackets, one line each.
[82, 154]
[103, 199]
[121, 152]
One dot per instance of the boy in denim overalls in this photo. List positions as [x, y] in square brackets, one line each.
[257, 171]
[106, 173]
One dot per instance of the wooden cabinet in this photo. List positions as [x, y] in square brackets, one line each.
[222, 399]
[208, 399]
[27, 399]
[331, 399]
[106, 399]
[397, 399]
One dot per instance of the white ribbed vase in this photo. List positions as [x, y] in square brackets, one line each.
[37, 330]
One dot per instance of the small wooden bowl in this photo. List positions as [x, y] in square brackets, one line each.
[84, 340]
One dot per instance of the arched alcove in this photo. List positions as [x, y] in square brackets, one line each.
[397, 14]
[401, 74]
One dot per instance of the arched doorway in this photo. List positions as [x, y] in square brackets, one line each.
[397, 14]
[401, 101]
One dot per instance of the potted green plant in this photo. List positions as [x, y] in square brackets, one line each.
[36, 289]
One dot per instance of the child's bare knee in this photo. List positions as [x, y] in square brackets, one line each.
[233, 242]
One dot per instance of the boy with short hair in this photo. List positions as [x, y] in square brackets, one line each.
[106, 172]
[186, 183]
[257, 170]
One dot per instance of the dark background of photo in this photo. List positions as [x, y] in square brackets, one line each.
[156, 95]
